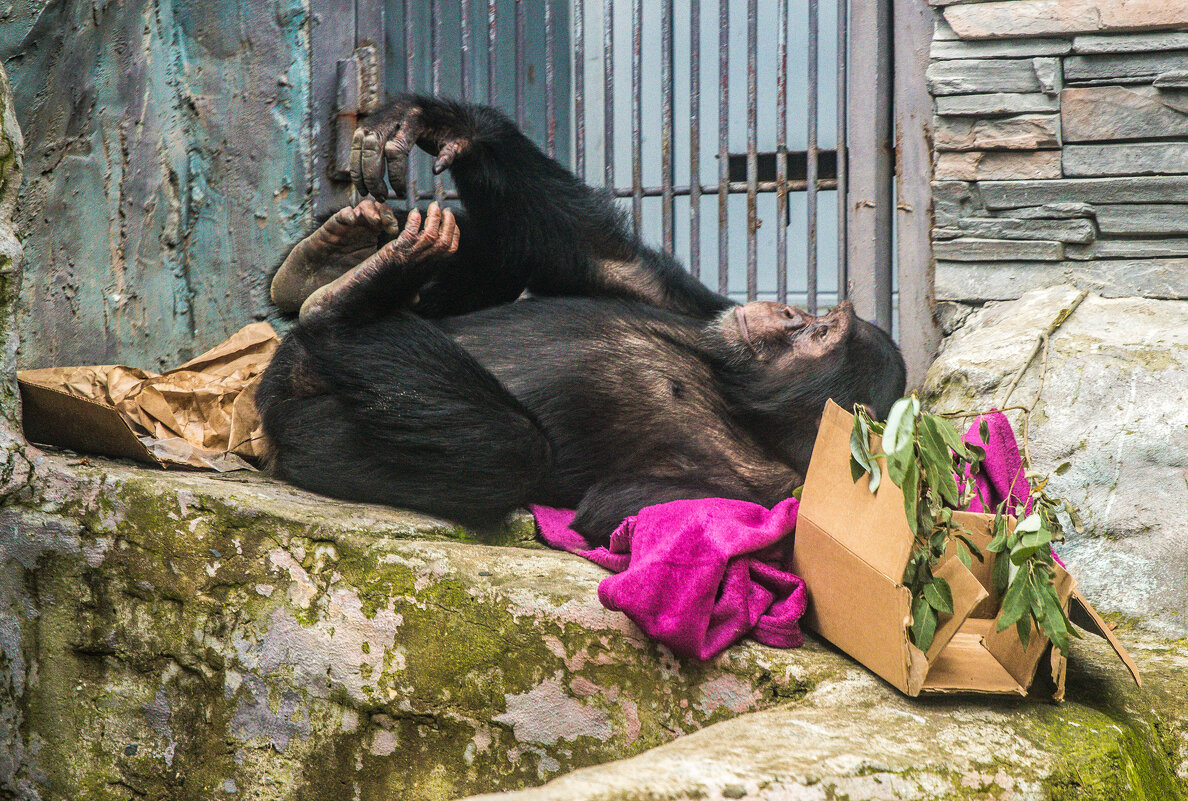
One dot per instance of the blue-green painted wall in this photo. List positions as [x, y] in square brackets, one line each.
[167, 161]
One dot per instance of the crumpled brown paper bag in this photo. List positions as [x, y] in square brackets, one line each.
[201, 414]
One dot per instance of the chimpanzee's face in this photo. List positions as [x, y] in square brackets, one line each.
[798, 360]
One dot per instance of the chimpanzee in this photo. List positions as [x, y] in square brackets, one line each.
[418, 376]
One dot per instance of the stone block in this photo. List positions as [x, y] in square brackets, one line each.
[1123, 67]
[1129, 249]
[1111, 113]
[979, 76]
[997, 195]
[1129, 42]
[1172, 79]
[1019, 18]
[981, 250]
[1114, 278]
[1022, 132]
[1165, 219]
[1053, 211]
[1077, 231]
[952, 200]
[1001, 166]
[1146, 158]
[997, 104]
[1006, 48]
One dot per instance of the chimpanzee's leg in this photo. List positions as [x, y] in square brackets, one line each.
[530, 222]
[367, 401]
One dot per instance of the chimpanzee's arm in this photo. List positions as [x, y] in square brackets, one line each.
[530, 223]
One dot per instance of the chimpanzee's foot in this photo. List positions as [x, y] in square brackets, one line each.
[343, 241]
[441, 128]
[394, 273]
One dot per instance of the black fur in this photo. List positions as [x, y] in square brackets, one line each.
[621, 382]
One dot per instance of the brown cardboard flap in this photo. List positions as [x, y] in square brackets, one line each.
[52, 417]
[965, 665]
[1007, 648]
[852, 605]
[968, 592]
[1085, 616]
[872, 527]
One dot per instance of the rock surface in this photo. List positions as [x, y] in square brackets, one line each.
[1017, 18]
[177, 634]
[854, 738]
[1110, 425]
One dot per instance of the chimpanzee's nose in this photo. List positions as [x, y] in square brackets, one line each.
[794, 318]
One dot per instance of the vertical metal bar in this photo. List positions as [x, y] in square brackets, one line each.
[752, 148]
[519, 45]
[782, 154]
[492, 64]
[666, 90]
[919, 334]
[884, 170]
[723, 143]
[465, 9]
[608, 92]
[579, 88]
[636, 113]
[695, 138]
[550, 83]
[843, 254]
[870, 206]
[410, 84]
[810, 173]
[435, 65]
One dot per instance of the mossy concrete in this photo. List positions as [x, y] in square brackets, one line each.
[179, 635]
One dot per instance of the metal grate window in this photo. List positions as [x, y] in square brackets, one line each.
[751, 138]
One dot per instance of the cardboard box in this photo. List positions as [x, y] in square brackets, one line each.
[851, 549]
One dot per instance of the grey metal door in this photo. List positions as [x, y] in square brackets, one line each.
[683, 110]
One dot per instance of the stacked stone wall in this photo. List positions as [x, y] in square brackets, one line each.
[1061, 148]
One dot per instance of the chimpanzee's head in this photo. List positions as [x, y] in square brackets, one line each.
[783, 364]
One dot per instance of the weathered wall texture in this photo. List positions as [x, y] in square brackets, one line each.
[1060, 152]
[1061, 159]
[166, 163]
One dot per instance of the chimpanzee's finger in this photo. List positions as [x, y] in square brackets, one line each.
[412, 228]
[449, 227]
[373, 165]
[430, 229]
[445, 157]
[357, 162]
[457, 240]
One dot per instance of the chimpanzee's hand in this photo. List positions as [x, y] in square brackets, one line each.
[385, 142]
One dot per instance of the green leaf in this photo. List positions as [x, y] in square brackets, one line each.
[1015, 603]
[796, 493]
[911, 497]
[1062, 468]
[923, 623]
[1055, 625]
[999, 527]
[900, 424]
[1030, 523]
[949, 435]
[937, 461]
[1022, 553]
[1000, 573]
[1023, 627]
[857, 470]
[973, 549]
[984, 430]
[939, 595]
[963, 555]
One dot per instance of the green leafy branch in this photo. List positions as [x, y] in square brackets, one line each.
[924, 455]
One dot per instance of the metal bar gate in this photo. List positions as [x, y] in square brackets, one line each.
[581, 48]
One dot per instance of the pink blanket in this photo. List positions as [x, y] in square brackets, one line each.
[700, 575]
[697, 575]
